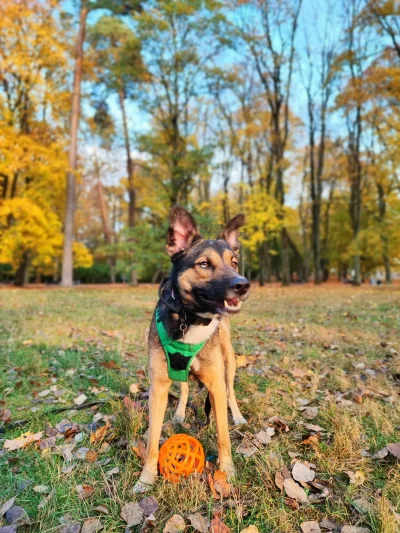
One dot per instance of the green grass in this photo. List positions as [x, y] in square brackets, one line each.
[68, 338]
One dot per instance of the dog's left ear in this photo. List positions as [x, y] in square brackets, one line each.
[231, 232]
[181, 232]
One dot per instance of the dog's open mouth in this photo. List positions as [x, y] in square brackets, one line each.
[232, 305]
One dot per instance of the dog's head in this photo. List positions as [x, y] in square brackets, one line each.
[205, 272]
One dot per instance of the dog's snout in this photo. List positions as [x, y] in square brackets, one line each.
[240, 285]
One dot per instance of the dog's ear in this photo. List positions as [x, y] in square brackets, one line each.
[181, 232]
[231, 232]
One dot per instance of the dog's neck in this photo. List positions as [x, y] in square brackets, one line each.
[181, 323]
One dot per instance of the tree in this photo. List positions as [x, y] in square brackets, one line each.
[269, 34]
[85, 6]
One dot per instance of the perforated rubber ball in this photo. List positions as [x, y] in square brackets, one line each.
[180, 456]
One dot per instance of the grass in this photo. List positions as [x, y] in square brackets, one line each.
[335, 346]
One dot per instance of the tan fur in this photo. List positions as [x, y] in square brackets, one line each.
[215, 367]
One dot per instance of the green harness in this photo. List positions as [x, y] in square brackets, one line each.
[179, 354]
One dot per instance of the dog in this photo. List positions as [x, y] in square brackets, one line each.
[190, 332]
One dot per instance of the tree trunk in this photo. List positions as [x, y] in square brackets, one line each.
[383, 229]
[285, 253]
[129, 162]
[21, 273]
[68, 260]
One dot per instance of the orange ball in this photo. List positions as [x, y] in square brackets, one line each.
[180, 456]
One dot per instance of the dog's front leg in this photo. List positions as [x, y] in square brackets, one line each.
[180, 412]
[157, 405]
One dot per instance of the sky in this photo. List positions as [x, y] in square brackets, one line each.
[315, 16]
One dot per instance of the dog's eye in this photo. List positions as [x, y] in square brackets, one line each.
[204, 264]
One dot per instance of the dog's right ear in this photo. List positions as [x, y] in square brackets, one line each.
[181, 232]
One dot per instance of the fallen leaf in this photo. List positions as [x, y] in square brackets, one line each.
[280, 476]
[241, 361]
[265, 436]
[394, 449]
[91, 525]
[354, 529]
[79, 400]
[91, 456]
[363, 505]
[221, 485]
[72, 527]
[5, 415]
[328, 524]
[84, 491]
[301, 472]
[246, 448]
[23, 440]
[313, 427]
[132, 513]
[102, 509]
[310, 412]
[381, 453]
[149, 505]
[7, 505]
[299, 373]
[310, 527]
[292, 503]
[313, 440]
[100, 434]
[134, 389]
[41, 488]
[176, 524]
[28, 342]
[293, 490]
[218, 526]
[279, 424]
[17, 516]
[250, 529]
[212, 487]
[356, 478]
[198, 522]
[112, 472]
[68, 469]
[111, 365]
[148, 524]
[8, 529]
[81, 453]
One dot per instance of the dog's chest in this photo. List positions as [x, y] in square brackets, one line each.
[199, 333]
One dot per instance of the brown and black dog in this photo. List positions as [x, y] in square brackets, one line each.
[203, 289]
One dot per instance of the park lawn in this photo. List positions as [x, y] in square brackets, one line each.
[336, 347]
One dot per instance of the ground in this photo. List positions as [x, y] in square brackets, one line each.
[325, 356]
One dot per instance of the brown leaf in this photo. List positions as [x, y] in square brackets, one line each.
[394, 449]
[313, 440]
[293, 490]
[354, 529]
[301, 472]
[246, 448]
[250, 529]
[7, 505]
[176, 524]
[23, 440]
[218, 526]
[91, 456]
[310, 527]
[310, 412]
[292, 503]
[17, 516]
[149, 505]
[198, 522]
[79, 400]
[5, 415]
[279, 424]
[381, 453]
[140, 449]
[111, 365]
[356, 478]
[134, 389]
[265, 436]
[72, 527]
[280, 476]
[91, 525]
[313, 427]
[241, 361]
[100, 434]
[212, 487]
[221, 485]
[132, 513]
[68, 469]
[102, 509]
[84, 491]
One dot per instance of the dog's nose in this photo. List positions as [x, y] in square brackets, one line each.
[240, 285]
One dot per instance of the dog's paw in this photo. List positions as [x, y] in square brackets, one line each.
[228, 467]
[140, 488]
[145, 482]
[239, 420]
[178, 418]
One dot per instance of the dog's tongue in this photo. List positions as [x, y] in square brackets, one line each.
[233, 302]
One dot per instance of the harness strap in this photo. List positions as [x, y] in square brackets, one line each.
[179, 355]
